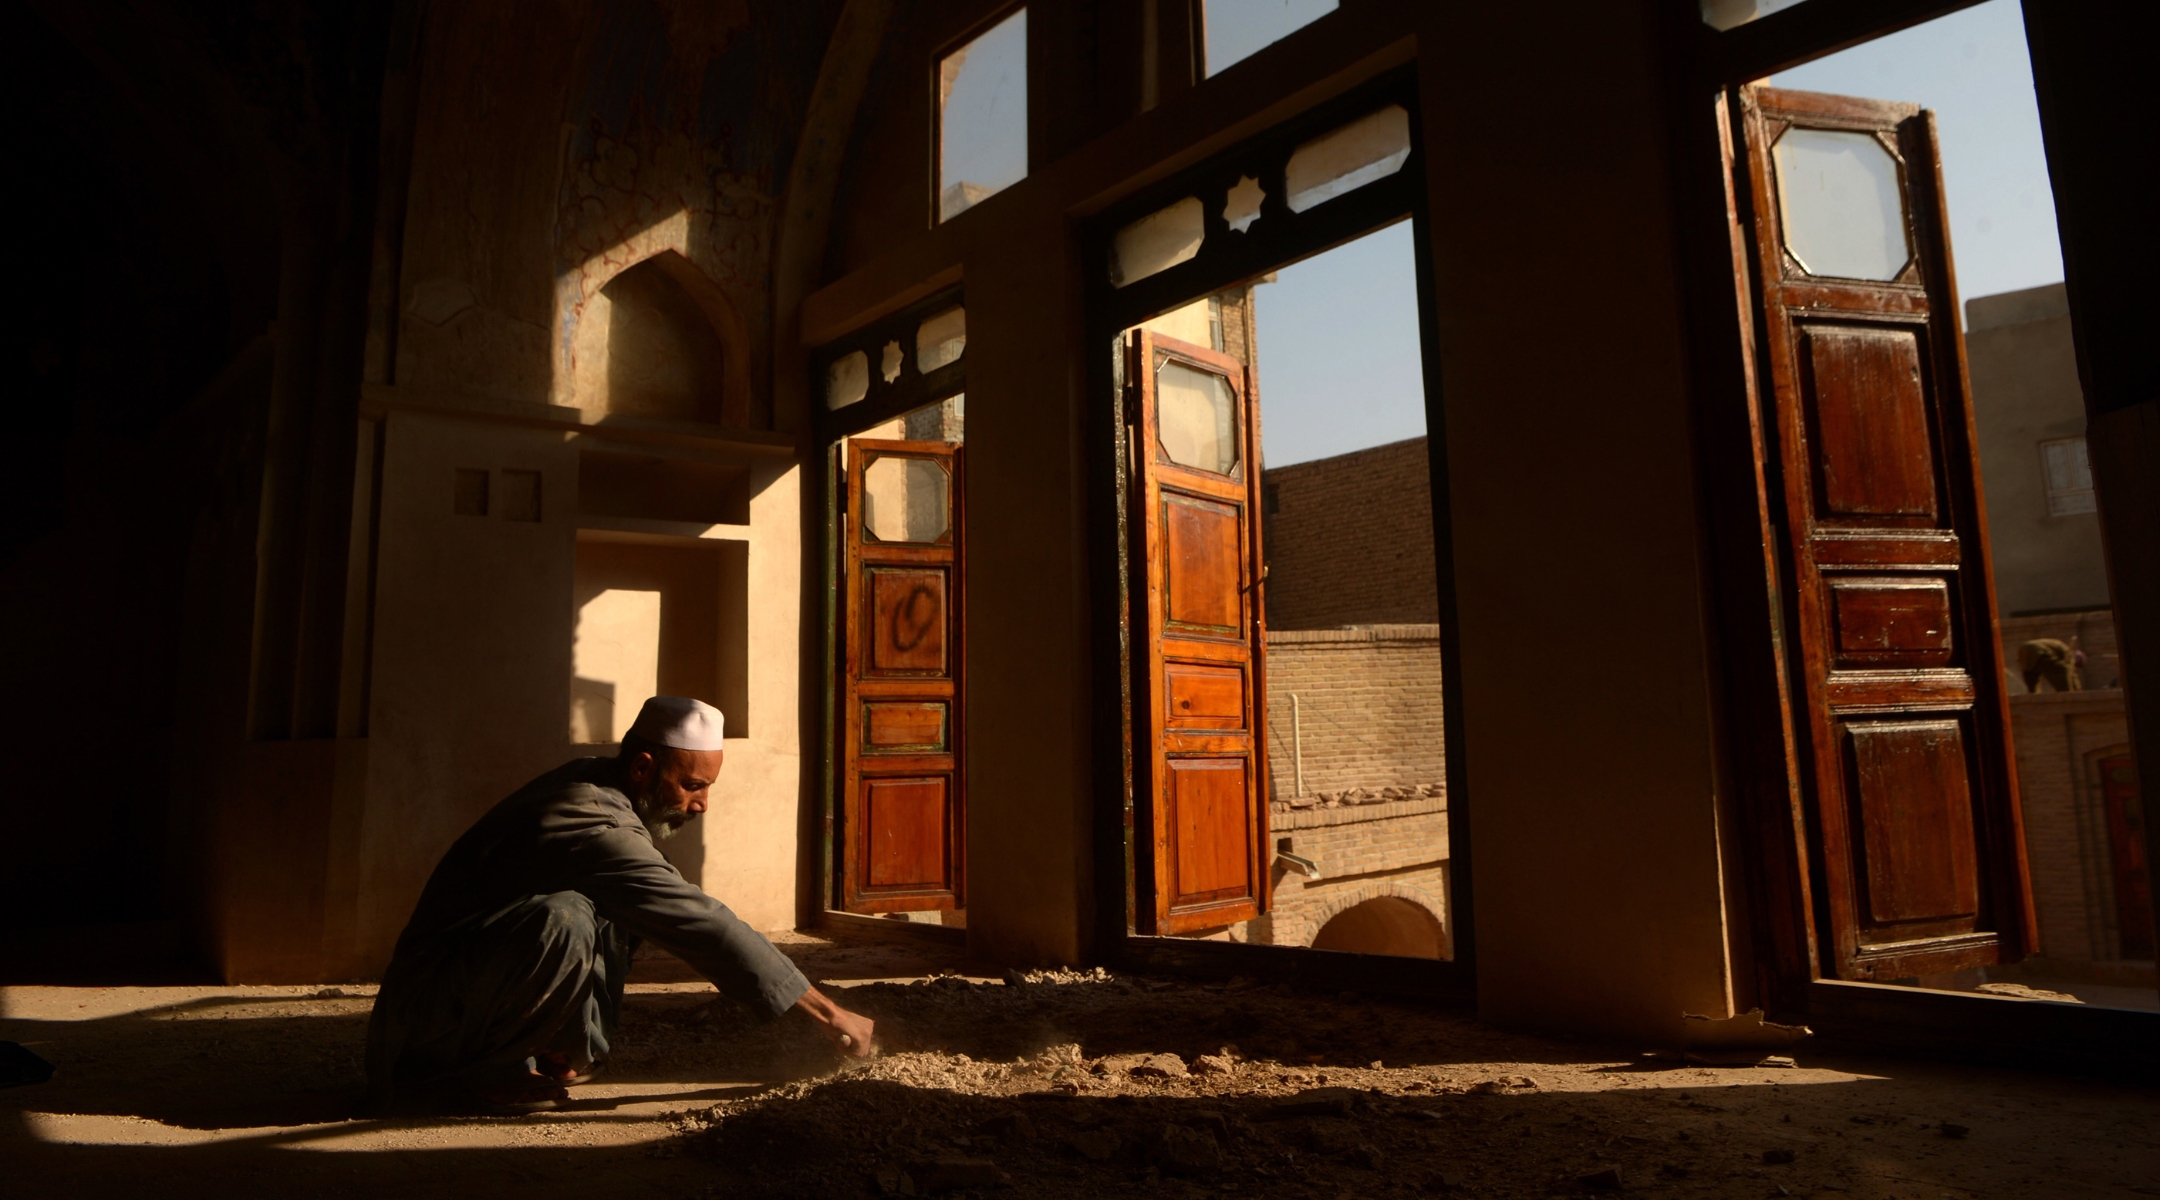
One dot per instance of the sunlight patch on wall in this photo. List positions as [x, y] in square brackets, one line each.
[615, 663]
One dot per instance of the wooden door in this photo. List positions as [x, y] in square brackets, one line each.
[1199, 687]
[904, 839]
[1916, 839]
[2126, 853]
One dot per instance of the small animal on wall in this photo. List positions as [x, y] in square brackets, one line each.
[2054, 660]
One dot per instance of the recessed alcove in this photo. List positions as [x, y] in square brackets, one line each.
[648, 487]
[657, 616]
[661, 340]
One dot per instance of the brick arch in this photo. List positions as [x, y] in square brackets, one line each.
[1341, 902]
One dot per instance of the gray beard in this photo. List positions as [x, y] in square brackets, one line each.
[656, 824]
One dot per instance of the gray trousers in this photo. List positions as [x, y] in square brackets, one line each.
[542, 975]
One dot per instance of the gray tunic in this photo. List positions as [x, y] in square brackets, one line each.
[521, 939]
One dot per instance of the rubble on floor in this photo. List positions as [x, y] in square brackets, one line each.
[1071, 1084]
[1011, 1085]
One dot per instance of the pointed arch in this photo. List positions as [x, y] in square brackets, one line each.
[664, 341]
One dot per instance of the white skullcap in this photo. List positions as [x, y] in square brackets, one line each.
[679, 722]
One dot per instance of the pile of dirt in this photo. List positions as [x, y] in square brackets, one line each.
[1071, 1085]
[1066, 1084]
[1103, 1013]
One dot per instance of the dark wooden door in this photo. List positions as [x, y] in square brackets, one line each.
[1198, 695]
[1916, 839]
[903, 688]
[2126, 851]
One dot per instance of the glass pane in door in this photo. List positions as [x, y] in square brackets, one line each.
[1843, 210]
[1197, 415]
[906, 500]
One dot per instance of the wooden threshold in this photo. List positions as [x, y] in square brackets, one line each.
[834, 921]
[1372, 974]
[2048, 1035]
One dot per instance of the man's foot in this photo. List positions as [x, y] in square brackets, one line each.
[528, 1093]
[557, 1068]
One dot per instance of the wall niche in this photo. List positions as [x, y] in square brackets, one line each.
[659, 340]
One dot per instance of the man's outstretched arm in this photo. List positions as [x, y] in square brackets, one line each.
[852, 1032]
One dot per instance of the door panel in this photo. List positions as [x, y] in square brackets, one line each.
[904, 810]
[1208, 833]
[1203, 557]
[1198, 776]
[1202, 696]
[2126, 846]
[1918, 842]
[906, 829]
[1915, 803]
[1871, 421]
[907, 612]
[1891, 622]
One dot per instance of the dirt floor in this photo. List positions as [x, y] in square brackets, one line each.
[1063, 1084]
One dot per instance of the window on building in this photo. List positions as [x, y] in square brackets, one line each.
[1238, 29]
[2069, 476]
[982, 117]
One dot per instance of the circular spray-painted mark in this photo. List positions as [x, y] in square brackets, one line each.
[915, 617]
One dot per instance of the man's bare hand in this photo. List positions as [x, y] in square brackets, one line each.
[852, 1032]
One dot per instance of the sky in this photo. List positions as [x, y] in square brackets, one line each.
[1338, 334]
[985, 117]
[1237, 28]
[1338, 341]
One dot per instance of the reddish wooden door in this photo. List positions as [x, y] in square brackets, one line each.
[1198, 695]
[1917, 841]
[2126, 851]
[903, 687]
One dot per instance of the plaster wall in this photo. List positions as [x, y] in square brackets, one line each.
[474, 664]
[558, 147]
[1031, 686]
[750, 835]
[585, 266]
[2025, 391]
[1587, 734]
[472, 652]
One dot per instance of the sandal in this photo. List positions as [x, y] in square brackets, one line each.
[556, 1069]
[512, 1098]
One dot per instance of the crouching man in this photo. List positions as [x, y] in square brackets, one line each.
[507, 982]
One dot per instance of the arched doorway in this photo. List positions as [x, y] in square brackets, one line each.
[1384, 925]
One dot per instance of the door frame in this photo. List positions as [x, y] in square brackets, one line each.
[1224, 259]
[1151, 664]
[1760, 775]
[882, 401]
[859, 691]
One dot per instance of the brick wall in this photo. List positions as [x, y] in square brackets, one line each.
[1364, 851]
[1373, 814]
[2059, 737]
[1349, 539]
[1367, 713]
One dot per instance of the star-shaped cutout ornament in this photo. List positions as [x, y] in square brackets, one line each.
[1244, 206]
